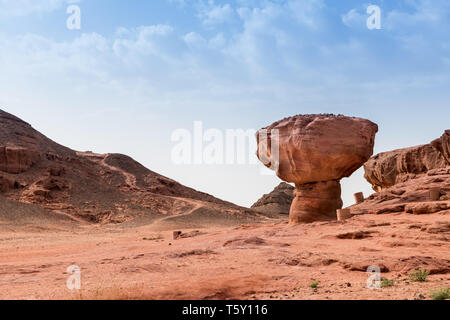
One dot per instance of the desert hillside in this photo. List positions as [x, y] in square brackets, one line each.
[98, 188]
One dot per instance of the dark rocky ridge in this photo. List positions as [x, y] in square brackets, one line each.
[276, 202]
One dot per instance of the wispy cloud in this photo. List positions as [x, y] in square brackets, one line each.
[212, 14]
[354, 18]
[163, 58]
[421, 14]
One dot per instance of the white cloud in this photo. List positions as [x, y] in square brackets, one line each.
[216, 14]
[159, 30]
[263, 57]
[132, 45]
[218, 41]
[424, 13]
[354, 18]
[307, 12]
[193, 39]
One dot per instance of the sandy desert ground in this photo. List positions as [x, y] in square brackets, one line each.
[262, 261]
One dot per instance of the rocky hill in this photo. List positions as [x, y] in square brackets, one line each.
[98, 188]
[276, 202]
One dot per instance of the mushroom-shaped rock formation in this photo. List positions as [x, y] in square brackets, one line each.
[315, 152]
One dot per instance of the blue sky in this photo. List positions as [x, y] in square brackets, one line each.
[138, 70]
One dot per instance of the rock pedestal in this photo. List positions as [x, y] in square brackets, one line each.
[315, 152]
[315, 201]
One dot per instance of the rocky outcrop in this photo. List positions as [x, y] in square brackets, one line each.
[427, 207]
[277, 202]
[315, 152]
[443, 145]
[6, 184]
[390, 168]
[412, 196]
[17, 160]
[16, 133]
[414, 180]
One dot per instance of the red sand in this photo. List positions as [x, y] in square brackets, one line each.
[266, 261]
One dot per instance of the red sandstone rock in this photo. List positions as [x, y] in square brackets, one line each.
[415, 180]
[5, 184]
[17, 160]
[427, 207]
[315, 153]
[389, 168]
[443, 145]
[316, 201]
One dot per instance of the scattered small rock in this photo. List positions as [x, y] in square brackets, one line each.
[198, 252]
[355, 235]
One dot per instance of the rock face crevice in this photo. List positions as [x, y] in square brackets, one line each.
[315, 153]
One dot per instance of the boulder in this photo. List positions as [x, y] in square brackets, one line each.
[16, 160]
[315, 152]
[427, 207]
